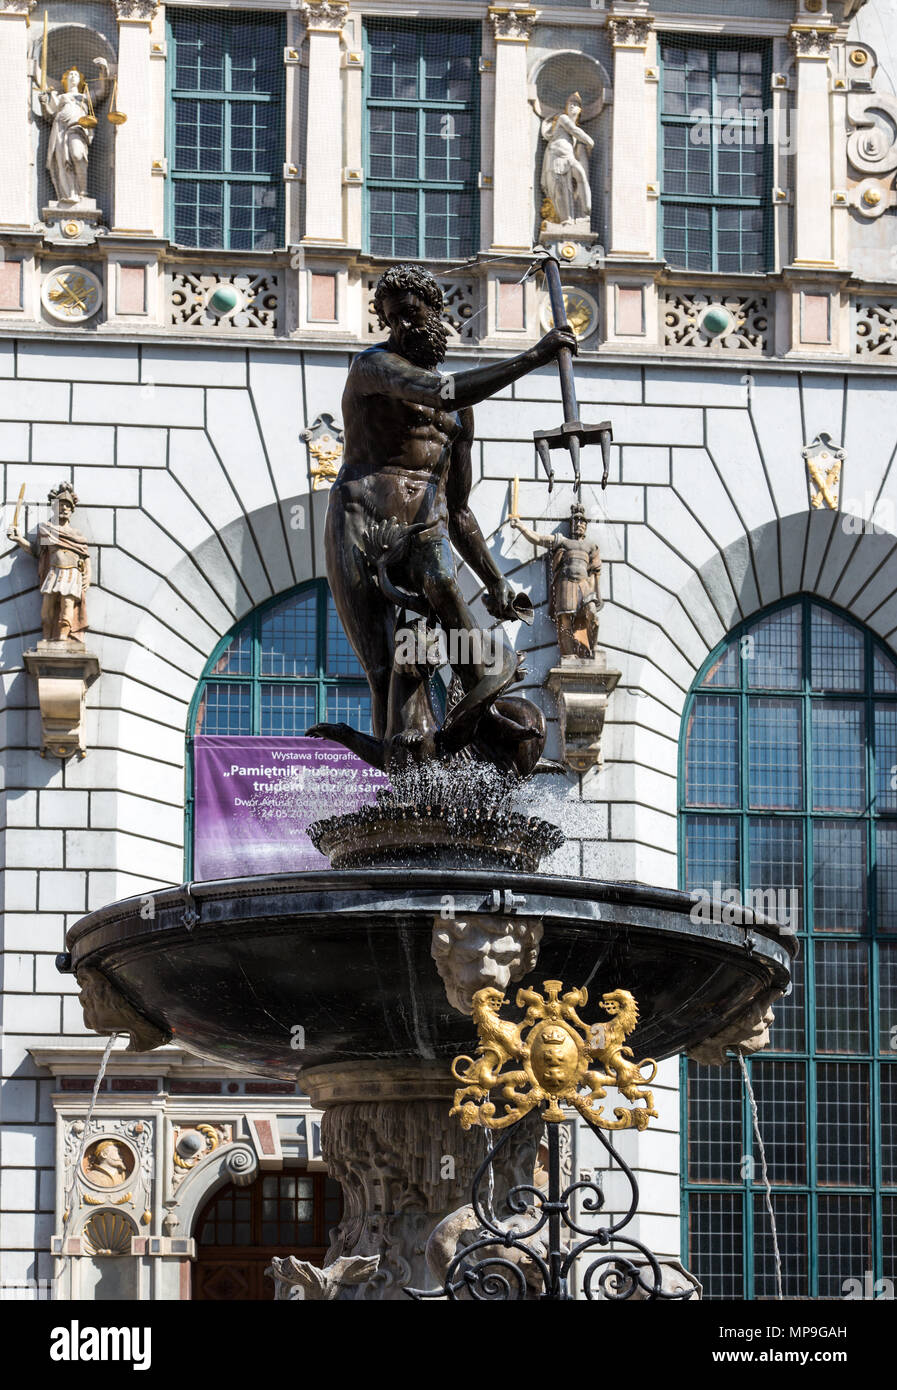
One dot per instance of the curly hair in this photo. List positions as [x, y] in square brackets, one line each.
[407, 277]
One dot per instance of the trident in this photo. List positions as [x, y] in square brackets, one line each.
[572, 435]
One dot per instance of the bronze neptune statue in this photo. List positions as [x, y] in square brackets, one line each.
[399, 512]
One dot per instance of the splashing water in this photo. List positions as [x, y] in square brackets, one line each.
[755, 1118]
[459, 784]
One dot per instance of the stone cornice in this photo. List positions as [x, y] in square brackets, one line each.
[17, 7]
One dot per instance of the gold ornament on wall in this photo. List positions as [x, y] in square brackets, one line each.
[824, 462]
[324, 439]
[327, 453]
[581, 308]
[552, 1058]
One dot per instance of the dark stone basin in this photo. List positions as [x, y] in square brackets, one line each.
[345, 956]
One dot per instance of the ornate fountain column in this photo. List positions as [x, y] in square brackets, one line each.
[404, 1166]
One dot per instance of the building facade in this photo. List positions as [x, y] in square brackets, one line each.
[174, 339]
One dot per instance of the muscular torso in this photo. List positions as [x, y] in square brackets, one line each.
[397, 453]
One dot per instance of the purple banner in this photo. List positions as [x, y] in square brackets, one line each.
[255, 797]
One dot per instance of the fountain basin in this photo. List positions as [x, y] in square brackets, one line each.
[275, 973]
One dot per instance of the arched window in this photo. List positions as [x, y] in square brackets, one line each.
[788, 788]
[286, 666]
[241, 1228]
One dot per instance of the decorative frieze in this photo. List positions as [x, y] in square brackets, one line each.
[328, 15]
[225, 301]
[738, 323]
[630, 31]
[810, 42]
[135, 11]
[514, 25]
[875, 327]
[110, 1166]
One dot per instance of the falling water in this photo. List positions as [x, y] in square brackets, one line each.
[772, 1220]
[85, 1135]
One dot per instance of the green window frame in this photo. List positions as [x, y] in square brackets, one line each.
[225, 129]
[715, 154]
[285, 666]
[788, 780]
[421, 140]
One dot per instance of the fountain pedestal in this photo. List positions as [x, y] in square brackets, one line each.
[404, 1166]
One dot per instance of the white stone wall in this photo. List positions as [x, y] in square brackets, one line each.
[188, 466]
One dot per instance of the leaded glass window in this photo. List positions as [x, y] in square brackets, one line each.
[226, 129]
[789, 796]
[715, 175]
[422, 139]
[287, 666]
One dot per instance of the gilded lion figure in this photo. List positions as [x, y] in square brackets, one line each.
[548, 1059]
[608, 1048]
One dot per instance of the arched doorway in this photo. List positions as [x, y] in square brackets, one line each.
[240, 1229]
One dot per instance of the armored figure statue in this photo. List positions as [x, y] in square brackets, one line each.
[565, 178]
[398, 511]
[71, 111]
[63, 568]
[575, 597]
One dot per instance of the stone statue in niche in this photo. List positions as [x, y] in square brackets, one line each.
[63, 568]
[72, 111]
[575, 579]
[567, 196]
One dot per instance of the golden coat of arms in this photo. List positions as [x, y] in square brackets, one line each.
[552, 1058]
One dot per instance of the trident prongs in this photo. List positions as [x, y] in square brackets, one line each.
[572, 435]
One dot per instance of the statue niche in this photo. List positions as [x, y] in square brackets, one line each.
[72, 72]
[568, 92]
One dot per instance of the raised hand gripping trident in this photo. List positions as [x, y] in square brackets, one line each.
[572, 435]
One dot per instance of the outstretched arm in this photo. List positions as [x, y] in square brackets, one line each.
[97, 88]
[386, 373]
[534, 536]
